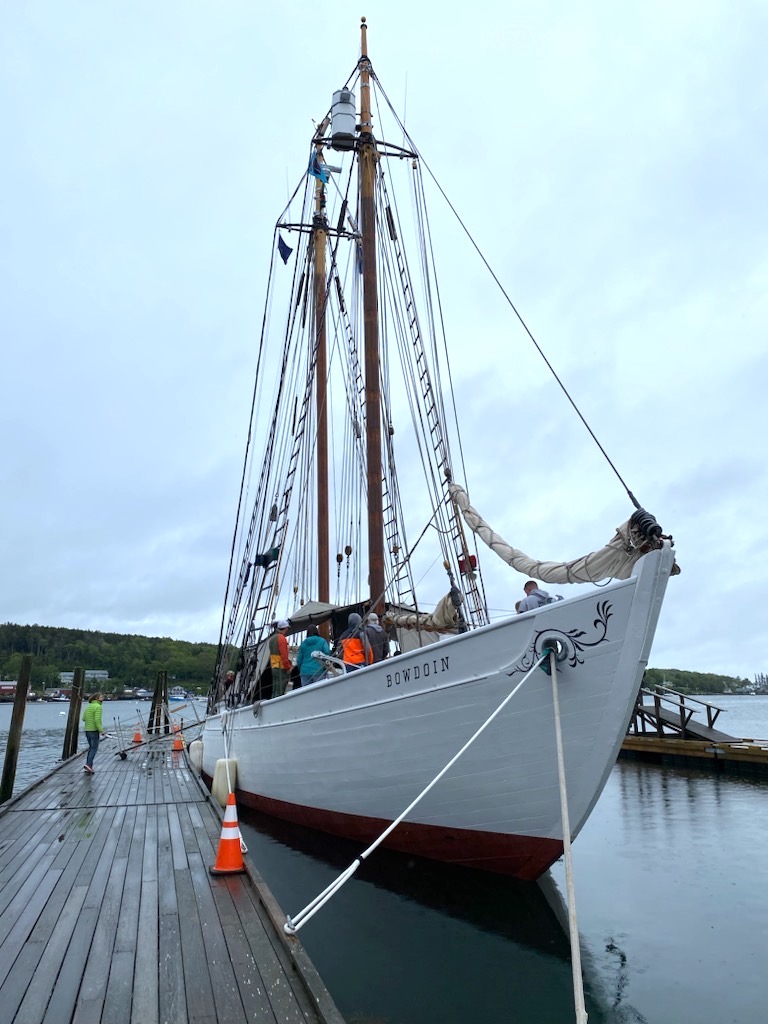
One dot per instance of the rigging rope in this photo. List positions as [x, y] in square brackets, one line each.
[293, 924]
[511, 304]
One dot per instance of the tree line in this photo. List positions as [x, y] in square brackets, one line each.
[699, 682]
[132, 661]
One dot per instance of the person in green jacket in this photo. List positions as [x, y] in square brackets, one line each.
[94, 730]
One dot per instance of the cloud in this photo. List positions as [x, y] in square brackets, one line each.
[608, 162]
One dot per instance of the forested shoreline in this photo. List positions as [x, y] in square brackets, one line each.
[134, 661]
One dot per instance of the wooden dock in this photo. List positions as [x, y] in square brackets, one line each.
[664, 729]
[108, 912]
[739, 757]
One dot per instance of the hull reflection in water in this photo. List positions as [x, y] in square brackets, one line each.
[411, 941]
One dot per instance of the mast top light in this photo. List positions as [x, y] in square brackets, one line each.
[343, 120]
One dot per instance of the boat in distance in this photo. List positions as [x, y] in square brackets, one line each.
[347, 749]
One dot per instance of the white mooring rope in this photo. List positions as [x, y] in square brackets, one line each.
[573, 927]
[292, 924]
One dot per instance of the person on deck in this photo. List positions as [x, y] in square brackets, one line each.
[94, 730]
[535, 597]
[229, 691]
[279, 658]
[354, 644]
[377, 637]
[310, 669]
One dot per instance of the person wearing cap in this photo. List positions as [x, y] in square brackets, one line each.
[377, 637]
[354, 644]
[279, 658]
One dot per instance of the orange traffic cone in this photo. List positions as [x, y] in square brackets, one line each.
[137, 737]
[178, 742]
[229, 859]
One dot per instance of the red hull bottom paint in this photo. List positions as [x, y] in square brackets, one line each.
[523, 857]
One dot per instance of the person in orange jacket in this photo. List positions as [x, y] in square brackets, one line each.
[354, 644]
[279, 658]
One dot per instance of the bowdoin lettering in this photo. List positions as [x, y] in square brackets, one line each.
[423, 670]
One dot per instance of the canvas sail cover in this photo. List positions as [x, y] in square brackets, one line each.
[614, 561]
[444, 619]
[420, 629]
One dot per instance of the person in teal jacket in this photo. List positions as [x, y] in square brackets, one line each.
[94, 730]
[310, 669]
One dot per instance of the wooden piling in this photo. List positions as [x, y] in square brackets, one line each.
[159, 719]
[14, 733]
[73, 719]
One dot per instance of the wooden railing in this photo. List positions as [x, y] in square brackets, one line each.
[649, 718]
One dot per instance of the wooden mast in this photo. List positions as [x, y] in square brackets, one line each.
[367, 169]
[320, 235]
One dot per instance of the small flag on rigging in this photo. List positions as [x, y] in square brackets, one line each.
[283, 248]
[318, 170]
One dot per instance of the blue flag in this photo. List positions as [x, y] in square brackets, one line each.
[318, 170]
[283, 248]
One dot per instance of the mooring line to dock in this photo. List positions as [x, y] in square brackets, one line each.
[573, 926]
[293, 924]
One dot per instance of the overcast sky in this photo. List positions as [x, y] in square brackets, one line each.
[610, 162]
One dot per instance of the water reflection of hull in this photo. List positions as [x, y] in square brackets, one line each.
[525, 912]
[467, 944]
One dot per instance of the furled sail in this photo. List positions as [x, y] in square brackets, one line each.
[631, 541]
[444, 619]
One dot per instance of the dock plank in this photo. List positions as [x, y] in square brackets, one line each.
[145, 1006]
[35, 1004]
[109, 914]
[173, 993]
[197, 979]
[226, 993]
[17, 976]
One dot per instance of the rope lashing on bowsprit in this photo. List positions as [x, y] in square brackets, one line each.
[555, 651]
[292, 924]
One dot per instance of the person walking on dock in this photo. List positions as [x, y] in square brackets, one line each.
[94, 730]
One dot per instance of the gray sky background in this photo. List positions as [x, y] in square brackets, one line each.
[611, 163]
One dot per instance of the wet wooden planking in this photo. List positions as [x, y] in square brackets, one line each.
[109, 914]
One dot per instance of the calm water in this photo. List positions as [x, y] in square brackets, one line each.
[671, 881]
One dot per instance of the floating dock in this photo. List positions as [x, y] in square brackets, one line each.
[663, 729]
[109, 913]
[741, 757]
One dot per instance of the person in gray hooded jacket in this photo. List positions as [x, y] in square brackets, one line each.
[535, 597]
[377, 637]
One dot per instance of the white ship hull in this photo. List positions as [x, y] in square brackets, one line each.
[348, 755]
